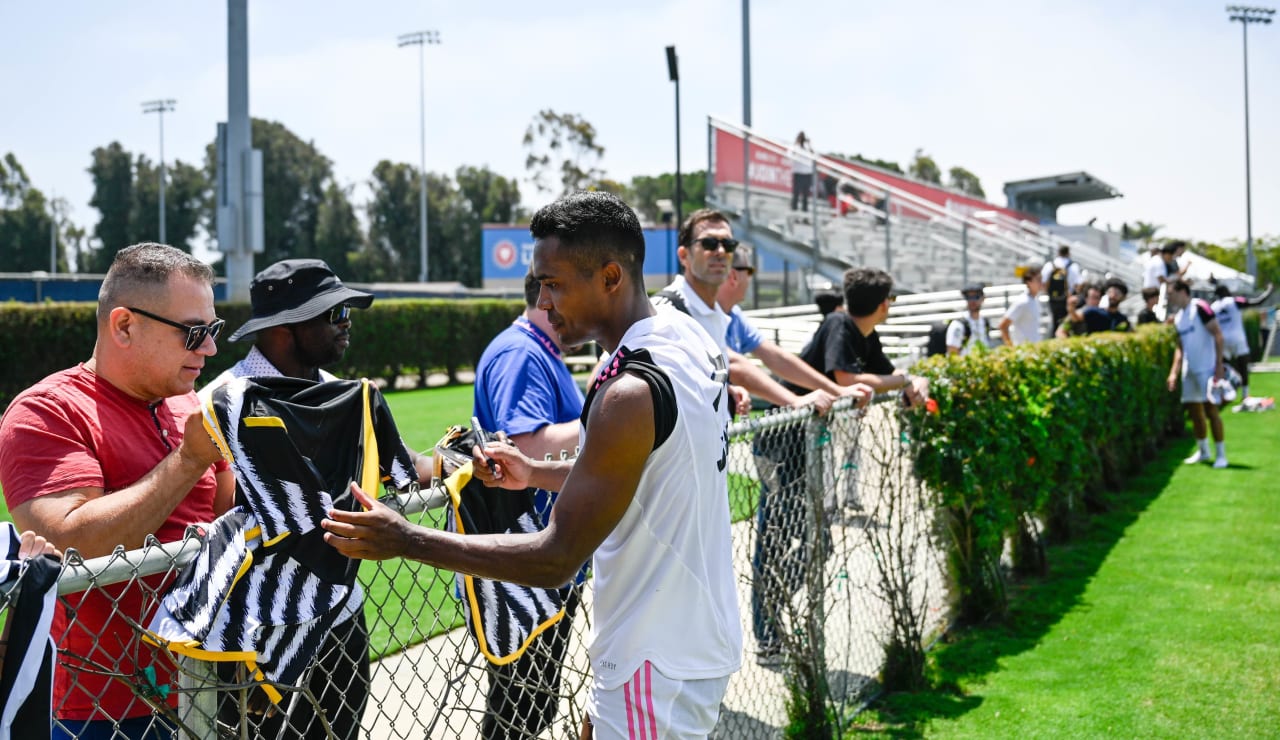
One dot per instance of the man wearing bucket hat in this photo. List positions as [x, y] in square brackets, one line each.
[301, 322]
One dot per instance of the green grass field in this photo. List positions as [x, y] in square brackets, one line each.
[1162, 620]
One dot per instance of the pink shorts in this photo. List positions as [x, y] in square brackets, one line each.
[650, 706]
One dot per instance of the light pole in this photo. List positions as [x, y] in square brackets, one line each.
[1247, 15]
[420, 39]
[160, 106]
[673, 72]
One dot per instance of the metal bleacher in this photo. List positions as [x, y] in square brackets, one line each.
[925, 245]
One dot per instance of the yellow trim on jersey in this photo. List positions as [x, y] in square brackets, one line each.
[264, 421]
[454, 485]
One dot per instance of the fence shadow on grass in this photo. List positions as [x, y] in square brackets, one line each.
[1036, 605]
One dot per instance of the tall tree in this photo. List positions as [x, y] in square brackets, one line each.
[924, 168]
[186, 192]
[294, 177]
[338, 235]
[562, 152]
[645, 191]
[484, 197]
[391, 251]
[112, 173]
[25, 222]
[965, 181]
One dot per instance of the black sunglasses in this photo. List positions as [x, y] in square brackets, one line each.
[745, 268]
[711, 243]
[339, 313]
[195, 334]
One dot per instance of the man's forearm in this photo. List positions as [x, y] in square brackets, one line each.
[757, 382]
[551, 439]
[95, 523]
[795, 370]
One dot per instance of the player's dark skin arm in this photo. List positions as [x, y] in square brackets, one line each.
[594, 495]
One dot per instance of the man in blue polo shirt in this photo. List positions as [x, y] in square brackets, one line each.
[524, 388]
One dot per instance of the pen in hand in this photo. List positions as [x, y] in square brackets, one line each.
[482, 438]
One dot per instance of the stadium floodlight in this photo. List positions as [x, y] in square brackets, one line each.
[673, 73]
[160, 107]
[1246, 15]
[421, 39]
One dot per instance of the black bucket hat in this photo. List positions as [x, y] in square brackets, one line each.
[293, 291]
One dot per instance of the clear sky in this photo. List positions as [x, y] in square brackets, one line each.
[1145, 95]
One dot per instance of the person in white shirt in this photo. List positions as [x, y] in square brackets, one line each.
[1227, 309]
[647, 499]
[970, 330]
[1197, 359]
[1021, 323]
[802, 168]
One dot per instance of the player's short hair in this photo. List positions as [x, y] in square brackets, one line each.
[1150, 293]
[597, 227]
[1182, 286]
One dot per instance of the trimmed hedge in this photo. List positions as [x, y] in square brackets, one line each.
[390, 338]
[1037, 433]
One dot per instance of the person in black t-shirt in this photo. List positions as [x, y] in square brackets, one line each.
[1148, 314]
[1098, 319]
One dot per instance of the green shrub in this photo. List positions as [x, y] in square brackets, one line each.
[391, 338]
[1040, 432]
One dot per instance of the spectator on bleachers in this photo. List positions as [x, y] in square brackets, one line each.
[1097, 318]
[1227, 309]
[1148, 314]
[828, 301]
[1021, 323]
[971, 330]
[1197, 360]
[1060, 277]
[802, 169]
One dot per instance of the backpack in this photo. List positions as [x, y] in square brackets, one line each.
[1058, 282]
[937, 344]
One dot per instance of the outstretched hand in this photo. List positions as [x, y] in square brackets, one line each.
[378, 533]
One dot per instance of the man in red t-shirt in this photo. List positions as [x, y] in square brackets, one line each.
[108, 452]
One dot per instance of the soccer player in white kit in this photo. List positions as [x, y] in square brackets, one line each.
[646, 499]
[1197, 359]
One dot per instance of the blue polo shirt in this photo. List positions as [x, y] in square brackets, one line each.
[523, 385]
[741, 336]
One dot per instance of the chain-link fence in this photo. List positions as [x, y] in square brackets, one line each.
[836, 565]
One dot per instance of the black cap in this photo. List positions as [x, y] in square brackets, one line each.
[292, 291]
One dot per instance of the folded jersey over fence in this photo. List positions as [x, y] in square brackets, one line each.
[265, 588]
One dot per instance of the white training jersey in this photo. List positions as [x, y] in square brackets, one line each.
[664, 582]
[1198, 353]
[1024, 312]
[1227, 309]
[679, 295]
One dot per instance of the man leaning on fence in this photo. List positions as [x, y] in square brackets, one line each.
[647, 498]
[782, 516]
[301, 322]
[107, 452]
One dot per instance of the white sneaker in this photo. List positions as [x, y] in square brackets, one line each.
[1221, 462]
[1198, 457]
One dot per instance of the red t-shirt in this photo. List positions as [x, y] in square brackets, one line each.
[75, 430]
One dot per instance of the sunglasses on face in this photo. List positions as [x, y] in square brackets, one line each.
[195, 333]
[973, 296]
[711, 243]
[339, 313]
[745, 268]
